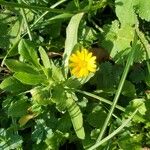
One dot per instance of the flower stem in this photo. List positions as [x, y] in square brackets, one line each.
[120, 86]
[114, 132]
[101, 99]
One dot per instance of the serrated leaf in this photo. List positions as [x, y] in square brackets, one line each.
[71, 39]
[76, 117]
[17, 66]
[30, 79]
[27, 50]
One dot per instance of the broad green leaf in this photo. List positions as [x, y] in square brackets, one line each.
[71, 38]
[76, 117]
[27, 50]
[125, 12]
[19, 108]
[44, 57]
[17, 66]
[143, 9]
[30, 79]
[11, 84]
[115, 39]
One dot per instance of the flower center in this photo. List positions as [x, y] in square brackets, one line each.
[83, 64]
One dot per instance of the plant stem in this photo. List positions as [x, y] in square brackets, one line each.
[120, 86]
[46, 12]
[113, 133]
[26, 22]
[100, 99]
[11, 4]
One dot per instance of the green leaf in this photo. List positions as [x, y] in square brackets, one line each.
[76, 117]
[97, 117]
[125, 12]
[57, 74]
[137, 75]
[9, 34]
[44, 57]
[9, 140]
[72, 83]
[71, 39]
[115, 39]
[59, 97]
[136, 103]
[108, 76]
[127, 141]
[143, 9]
[129, 89]
[17, 66]
[11, 84]
[19, 108]
[30, 79]
[27, 51]
[54, 139]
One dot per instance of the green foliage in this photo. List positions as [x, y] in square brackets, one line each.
[8, 140]
[27, 50]
[143, 9]
[115, 39]
[12, 85]
[44, 107]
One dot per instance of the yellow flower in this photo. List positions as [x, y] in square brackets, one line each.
[82, 63]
